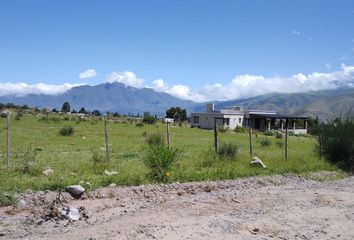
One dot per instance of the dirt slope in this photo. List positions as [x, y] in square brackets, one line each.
[277, 207]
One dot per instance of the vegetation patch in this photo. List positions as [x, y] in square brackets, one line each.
[66, 131]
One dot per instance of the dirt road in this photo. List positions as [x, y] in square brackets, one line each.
[277, 207]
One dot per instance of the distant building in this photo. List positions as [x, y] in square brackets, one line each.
[260, 120]
[228, 118]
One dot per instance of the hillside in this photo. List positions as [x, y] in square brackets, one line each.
[326, 104]
[114, 97]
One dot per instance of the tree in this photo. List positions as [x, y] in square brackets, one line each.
[96, 113]
[83, 110]
[66, 107]
[177, 113]
[148, 118]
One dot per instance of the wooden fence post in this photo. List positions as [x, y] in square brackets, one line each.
[8, 141]
[216, 143]
[250, 138]
[286, 139]
[168, 134]
[106, 138]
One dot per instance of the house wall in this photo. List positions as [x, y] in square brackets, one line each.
[206, 120]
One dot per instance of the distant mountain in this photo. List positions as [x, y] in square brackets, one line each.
[117, 97]
[326, 104]
[113, 97]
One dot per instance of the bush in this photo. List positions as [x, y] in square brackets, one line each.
[6, 200]
[159, 160]
[228, 150]
[240, 129]
[278, 135]
[265, 142]
[223, 129]
[154, 139]
[66, 131]
[149, 119]
[139, 124]
[280, 144]
[268, 133]
[336, 141]
[29, 159]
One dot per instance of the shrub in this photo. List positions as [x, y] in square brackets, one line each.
[149, 119]
[223, 129]
[268, 133]
[278, 135]
[139, 124]
[29, 159]
[336, 141]
[265, 142]
[240, 129]
[154, 139]
[6, 200]
[66, 131]
[228, 150]
[280, 144]
[208, 158]
[97, 158]
[159, 160]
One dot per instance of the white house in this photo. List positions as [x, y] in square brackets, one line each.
[228, 118]
[260, 120]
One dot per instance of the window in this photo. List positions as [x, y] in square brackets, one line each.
[239, 120]
[196, 119]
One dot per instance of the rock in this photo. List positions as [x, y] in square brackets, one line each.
[257, 162]
[113, 185]
[74, 214]
[70, 212]
[108, 173]
[75, 191]
[47, 172]
[22, 203]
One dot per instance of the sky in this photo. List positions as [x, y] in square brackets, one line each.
[199, 50]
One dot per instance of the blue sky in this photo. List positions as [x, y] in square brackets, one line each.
[198, 50]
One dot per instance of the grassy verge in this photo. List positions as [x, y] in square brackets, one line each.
[71, 157]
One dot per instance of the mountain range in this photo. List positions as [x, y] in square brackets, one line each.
[117, 97]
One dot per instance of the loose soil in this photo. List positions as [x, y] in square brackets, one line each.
[271, 207]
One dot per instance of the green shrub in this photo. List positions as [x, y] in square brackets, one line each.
[265, 142]
[28, 159]
[7, 200]
[66, 131]
[280, 144]
[159, 160]
[268, 133]
[149, 119]
[228, 150]
[208, 158]
[337, 143]
[223, 129]
[139, 124]
[155, 139]
[240, 129]
[278, 135]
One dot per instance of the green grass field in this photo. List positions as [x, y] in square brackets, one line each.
[71, 156]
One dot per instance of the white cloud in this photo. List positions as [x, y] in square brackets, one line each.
[90, 73]
[296, 32]
[22, 89]
[328, 65]
[243, 86]
[128, 78]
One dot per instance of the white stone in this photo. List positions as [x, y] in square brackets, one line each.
[256, 161]
[47, 172]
